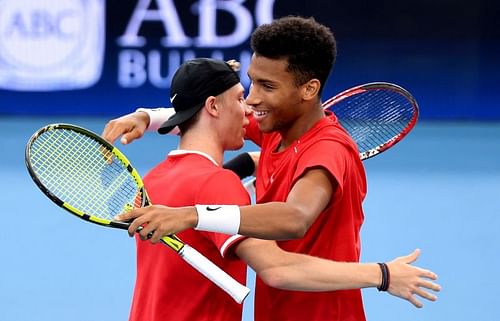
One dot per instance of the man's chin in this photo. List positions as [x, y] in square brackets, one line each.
[265, 129]
[236, 146]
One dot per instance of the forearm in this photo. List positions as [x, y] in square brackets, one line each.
[302, 273]
[294, 271]
[275, 221]
[314, 274]
[271, 221]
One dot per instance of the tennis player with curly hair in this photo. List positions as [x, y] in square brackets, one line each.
[310, 181]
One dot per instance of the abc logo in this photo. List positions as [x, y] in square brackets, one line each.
[51, 44]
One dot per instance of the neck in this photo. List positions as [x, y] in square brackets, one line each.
[300, 126]
[202, 141]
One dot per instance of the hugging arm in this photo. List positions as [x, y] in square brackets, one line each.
[292, 271]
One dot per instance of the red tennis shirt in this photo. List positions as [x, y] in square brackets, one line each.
[167, 288]
[335, 233]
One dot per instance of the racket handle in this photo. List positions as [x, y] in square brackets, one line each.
[215, 274]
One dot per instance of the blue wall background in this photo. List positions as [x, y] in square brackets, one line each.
[436, 190]
[445, 52]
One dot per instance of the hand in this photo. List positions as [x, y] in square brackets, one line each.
[130, 127]
[406, 280]
[155, 221]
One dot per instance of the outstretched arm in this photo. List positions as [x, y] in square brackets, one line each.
[292, 271]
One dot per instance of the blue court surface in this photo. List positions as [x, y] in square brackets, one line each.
[438, 190]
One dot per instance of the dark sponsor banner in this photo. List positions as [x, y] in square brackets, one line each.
[96, 57]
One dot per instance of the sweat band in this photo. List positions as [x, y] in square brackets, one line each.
[218, 218]
[157, 116]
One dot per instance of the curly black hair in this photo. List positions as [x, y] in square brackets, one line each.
[309, 46]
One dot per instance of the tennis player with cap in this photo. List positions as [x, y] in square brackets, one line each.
[211, 115]
[310, 183]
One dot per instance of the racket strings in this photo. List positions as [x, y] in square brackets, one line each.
[64, 163]
[370, 127]
[83, 173]
[80, 196]
[56, 155]
[53, 156]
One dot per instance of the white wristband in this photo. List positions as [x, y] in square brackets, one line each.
[157, 117]
[218, 218]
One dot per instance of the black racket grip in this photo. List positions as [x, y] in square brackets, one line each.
[242, 165]
[150, 234]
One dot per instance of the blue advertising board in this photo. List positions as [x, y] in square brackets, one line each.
[105, 58]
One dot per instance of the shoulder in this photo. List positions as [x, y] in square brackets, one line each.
[223, 186]
[329, 135]
[222, 176]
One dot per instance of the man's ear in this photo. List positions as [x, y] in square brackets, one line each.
[212, 106]
[310, 89]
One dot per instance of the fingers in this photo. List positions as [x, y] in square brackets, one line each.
[415, 302]
[147, 222]
[430, 285]
[155, 221]
[425, 294]
[413, 256]
[410, 294]
[136, 216]
[408, 282]
[130, 127]
[422, 293]
[118, 127]
[127, 131]
[110, 132]
[129, 137]
[127, 216]
[410, 258]
[428, 274]
[148, 231]
[139, 224]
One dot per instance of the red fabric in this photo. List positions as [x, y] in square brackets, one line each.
[335, 233]
[167, 288]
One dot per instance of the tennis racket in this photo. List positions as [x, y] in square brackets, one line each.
[92, 179]
[376, 115]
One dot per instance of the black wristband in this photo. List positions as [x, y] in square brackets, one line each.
[242, 165]
[386, 277]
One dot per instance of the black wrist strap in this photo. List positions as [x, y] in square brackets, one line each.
[386, 277]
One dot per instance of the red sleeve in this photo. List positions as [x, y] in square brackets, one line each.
[223, 188]
[331, 155]
[253, 132]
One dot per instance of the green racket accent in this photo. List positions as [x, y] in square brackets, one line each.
[174, 242]
[93, 180]
[88, 175]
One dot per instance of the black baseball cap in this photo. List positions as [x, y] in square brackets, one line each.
[193, 83]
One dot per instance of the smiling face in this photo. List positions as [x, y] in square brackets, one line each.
[233, 117]
[274, 97]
